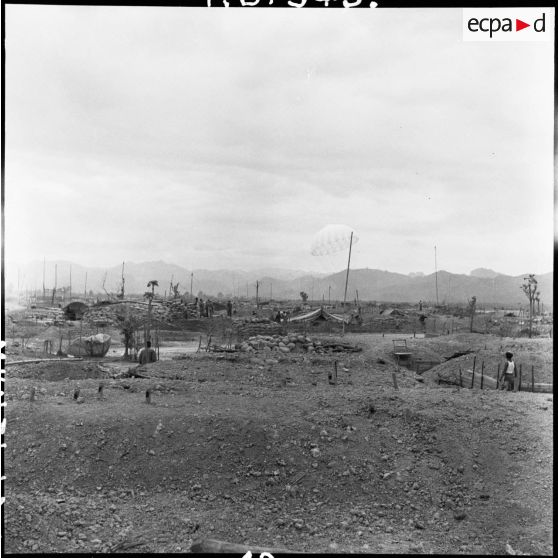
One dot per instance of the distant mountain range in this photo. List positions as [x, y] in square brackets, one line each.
[372, 284]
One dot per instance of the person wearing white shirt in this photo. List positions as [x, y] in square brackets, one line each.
[509, 373]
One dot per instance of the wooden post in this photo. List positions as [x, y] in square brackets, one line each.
[515, 378]
[332, 376]
[482, 374]
[148, 396]
[100, 391]
[394, 378]
[32, 395]
[520, 375]
[532, 378]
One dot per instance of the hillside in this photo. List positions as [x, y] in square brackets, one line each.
[371, 284]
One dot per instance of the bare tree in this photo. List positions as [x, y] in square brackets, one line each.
[530, 288]
[129, 325]
[304, 296]
[150, 295]
[472, 307]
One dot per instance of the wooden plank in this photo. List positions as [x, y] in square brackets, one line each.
[214, 545]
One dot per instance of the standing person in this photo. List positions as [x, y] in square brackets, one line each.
[509, 373]
[229, 309]
[145, 356]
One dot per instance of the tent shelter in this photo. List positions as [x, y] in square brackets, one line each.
[391, 312]
[320, 314]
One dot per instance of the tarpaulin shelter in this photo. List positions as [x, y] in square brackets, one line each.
[320, 314]
[94, 345]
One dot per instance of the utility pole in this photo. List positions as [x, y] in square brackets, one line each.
[312, 292]
[55, 282]
[257, 290]
[436, 272]
[329, 294]
[44, 265]
[347, 277]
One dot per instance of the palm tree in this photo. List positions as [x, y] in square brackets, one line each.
[532, 293]
[150, 296]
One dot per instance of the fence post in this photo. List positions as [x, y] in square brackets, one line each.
[394, 377]
[516, 378]
[520, 374]
[482, 374]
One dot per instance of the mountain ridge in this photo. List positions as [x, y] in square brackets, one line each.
[367, 284]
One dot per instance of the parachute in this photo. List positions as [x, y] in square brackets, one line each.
[331, 239]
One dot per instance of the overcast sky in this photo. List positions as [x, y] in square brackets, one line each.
[226, 138]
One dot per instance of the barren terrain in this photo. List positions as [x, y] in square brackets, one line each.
[265, 452]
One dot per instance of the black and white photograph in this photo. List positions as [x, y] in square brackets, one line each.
[277, 277]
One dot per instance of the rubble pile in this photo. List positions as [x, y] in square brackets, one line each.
[260, 327]
[291, 343]
[40, 315]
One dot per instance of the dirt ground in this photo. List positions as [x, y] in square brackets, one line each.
[266, 452]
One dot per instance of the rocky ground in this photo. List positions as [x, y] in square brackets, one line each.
[264, 451]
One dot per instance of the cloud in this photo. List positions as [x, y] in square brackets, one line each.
[232, 136]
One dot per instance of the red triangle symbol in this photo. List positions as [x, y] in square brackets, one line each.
[519, 25]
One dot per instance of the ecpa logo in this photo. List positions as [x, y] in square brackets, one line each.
[501, 24]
